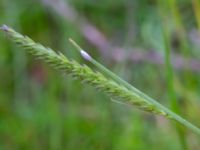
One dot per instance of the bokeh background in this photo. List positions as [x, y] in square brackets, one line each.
[154, 45]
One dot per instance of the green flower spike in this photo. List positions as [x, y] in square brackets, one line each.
[109, 83]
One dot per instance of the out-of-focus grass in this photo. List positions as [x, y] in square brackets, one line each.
[41, 110]
[163, 10]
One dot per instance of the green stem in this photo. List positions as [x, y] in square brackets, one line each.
[171, 91]
[119, 80]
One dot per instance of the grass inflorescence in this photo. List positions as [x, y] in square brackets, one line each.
[114, 86]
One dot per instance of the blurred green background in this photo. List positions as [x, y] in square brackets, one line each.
[155, 45]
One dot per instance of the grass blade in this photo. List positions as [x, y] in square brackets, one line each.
[119, 89]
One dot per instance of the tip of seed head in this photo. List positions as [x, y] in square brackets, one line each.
[4, 27]
[70, 39]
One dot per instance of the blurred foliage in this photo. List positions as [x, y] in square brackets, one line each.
[40, 109]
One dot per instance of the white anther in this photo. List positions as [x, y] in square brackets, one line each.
[85, 55]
